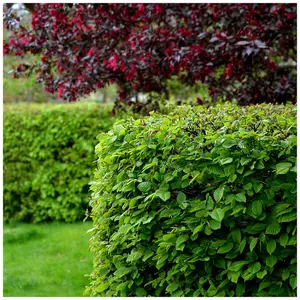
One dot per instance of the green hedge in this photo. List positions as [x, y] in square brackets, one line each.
[198, 203]
[48, 159]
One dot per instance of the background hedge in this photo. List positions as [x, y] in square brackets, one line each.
[201, 202]
[48, 159]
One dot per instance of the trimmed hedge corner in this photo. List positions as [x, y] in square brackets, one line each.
[48, 159]
[201, 202]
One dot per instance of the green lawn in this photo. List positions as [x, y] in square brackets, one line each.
[46, 260]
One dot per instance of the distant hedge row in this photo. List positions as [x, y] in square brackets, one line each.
[201, 202]
[48, 159]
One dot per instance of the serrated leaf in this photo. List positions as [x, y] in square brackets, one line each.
[218, 214]
[144, 186]
[271, 246]
[164, 195]
[218, 193]
[271, 261]
[283, 168]
[253, 244]
[226, 248]
[256, 208]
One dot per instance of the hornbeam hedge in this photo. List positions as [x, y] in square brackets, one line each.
[200, 202]
[48, 159]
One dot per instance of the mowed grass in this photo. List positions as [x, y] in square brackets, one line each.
[46, 260]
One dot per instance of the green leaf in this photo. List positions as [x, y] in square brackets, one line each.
[140, 292]
[236, 236]
[261, 274]
[225, 161]
[237, 265]
[232, 178]
[198, 228]
[271, 261]
[226, 248]
[293, 281]
[271, 246]
[181, 197]
[181, 240]
[218, 214]
[253, 244]
[285, 275]
[257, 187]
[256, 208]
[181, 200]
[254, 268]
[164, 195]
[134, 255]
[172, 287]
[122, 271]
[283, 168]
[273, 229]
[283, 239]
[242, 245]
[240, 197]
[214, 225]
[240, 289]
[144, 186]
[264, 284]
[218, 193]
[102, 287]
[147, 254]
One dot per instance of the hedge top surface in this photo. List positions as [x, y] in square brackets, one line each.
[200, 202]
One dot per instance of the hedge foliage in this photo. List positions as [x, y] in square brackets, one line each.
[201, 202]
[48, 159]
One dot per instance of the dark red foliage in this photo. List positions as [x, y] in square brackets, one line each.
[242, 51]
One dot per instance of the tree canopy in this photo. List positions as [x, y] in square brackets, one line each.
[245, 52]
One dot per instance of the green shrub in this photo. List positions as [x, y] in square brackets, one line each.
[48, 159]
[201, 202]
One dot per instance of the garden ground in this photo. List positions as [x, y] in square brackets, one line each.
[46, 260]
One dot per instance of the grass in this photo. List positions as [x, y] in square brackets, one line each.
[46, 260]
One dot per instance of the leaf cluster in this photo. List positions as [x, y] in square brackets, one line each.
[48, 159]
[200, 202]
